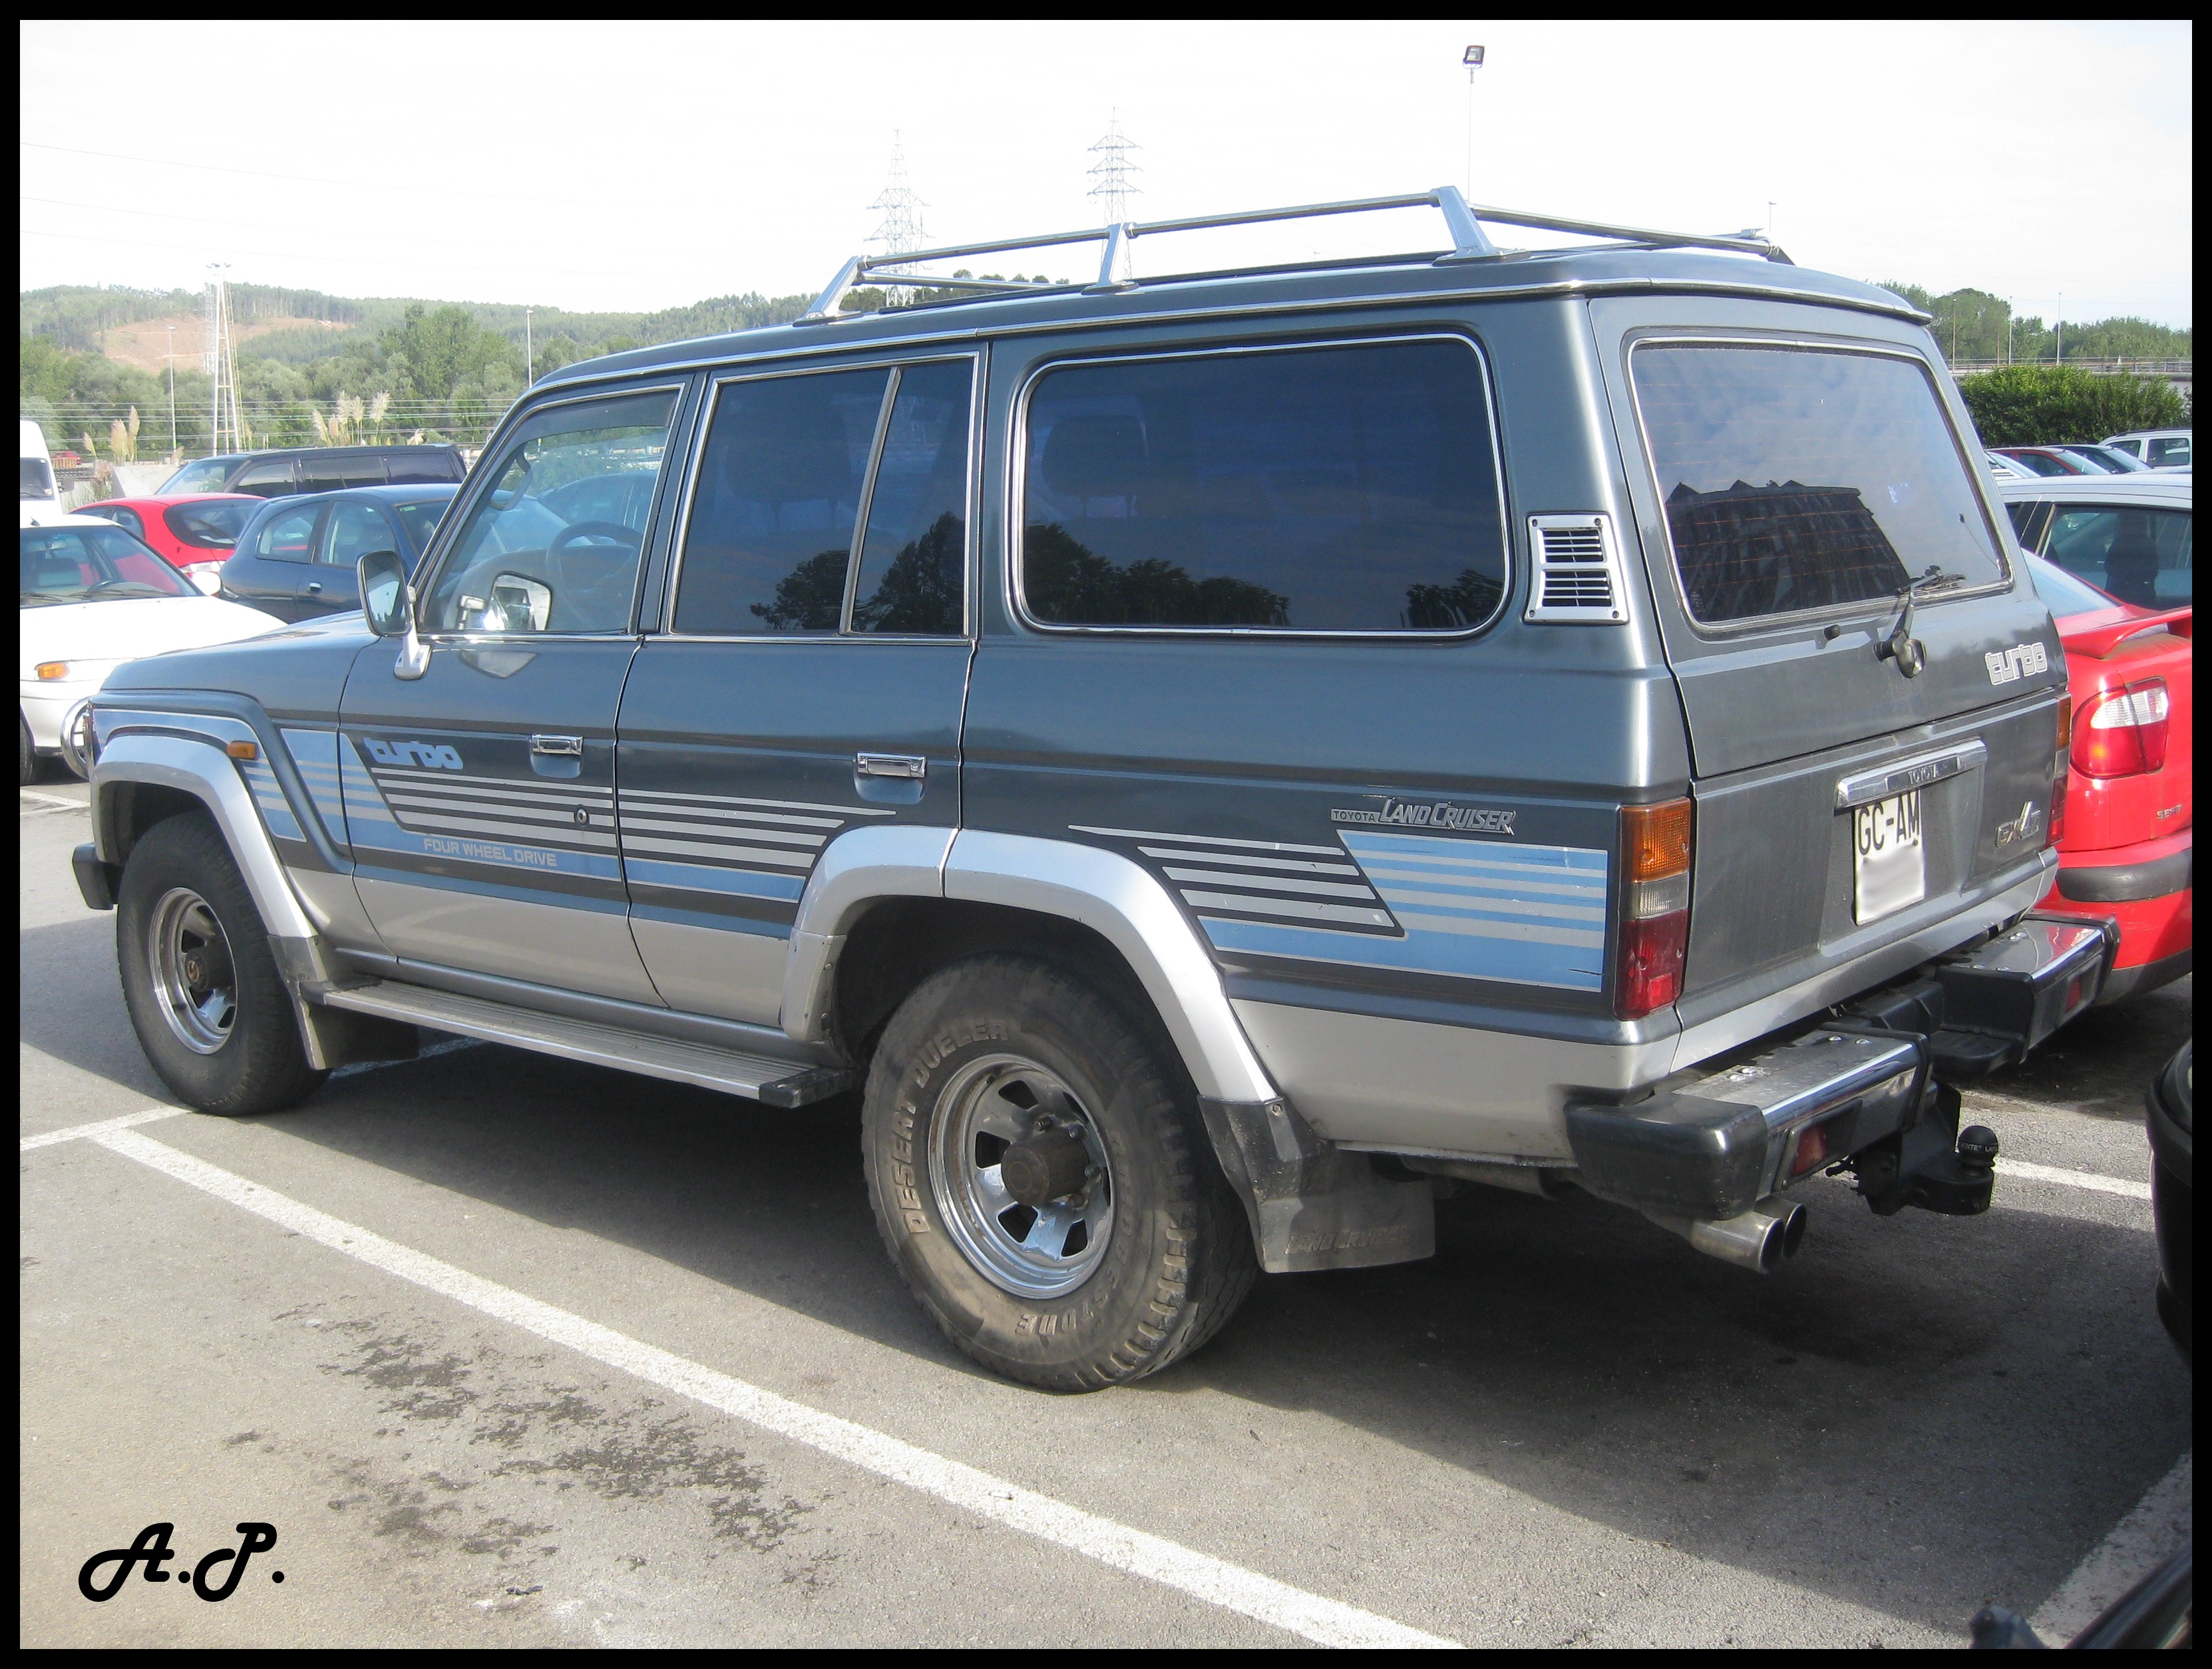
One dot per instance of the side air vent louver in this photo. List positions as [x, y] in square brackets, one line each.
[1578, 565]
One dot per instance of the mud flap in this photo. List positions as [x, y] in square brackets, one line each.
[1311, 1205]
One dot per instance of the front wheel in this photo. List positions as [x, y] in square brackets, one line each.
[209, 1007]
[1040, 1175]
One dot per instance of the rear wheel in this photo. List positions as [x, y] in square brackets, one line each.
[1040, 1176]
[206, 998]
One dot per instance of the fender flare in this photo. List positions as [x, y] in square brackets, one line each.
[199, 768]
[1099, 889]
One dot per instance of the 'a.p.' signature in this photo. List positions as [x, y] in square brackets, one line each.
[153, 1548]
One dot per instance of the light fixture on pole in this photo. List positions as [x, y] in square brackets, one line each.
[1473, 59]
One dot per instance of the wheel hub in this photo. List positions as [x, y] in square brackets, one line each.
[1020, 1176]
[193, 982]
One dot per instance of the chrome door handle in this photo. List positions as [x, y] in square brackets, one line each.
[315, 585]
[559, 747]
[911, 767]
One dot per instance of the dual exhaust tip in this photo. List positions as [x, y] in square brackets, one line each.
[1757, 1239]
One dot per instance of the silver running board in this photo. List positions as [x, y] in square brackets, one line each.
[759, 1077]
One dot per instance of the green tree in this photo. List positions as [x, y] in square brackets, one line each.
[444, 349]
[2043, 405]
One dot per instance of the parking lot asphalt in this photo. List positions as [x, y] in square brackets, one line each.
[1566, 1429]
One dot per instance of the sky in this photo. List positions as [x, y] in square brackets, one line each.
[635, 167]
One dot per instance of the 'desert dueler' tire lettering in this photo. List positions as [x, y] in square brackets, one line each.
[1169, 1266]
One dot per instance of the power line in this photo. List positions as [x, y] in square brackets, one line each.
[338, 260]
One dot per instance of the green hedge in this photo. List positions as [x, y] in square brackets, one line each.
[2046, 405]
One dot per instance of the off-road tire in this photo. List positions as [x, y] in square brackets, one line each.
[1179, 1259]
[262, 1067]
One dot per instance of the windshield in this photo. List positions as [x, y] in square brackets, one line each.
[1802, 479]
[92, 565]
[205, 474]
[38, 478]
[421, 519]
[214, 525]
[2062, 593]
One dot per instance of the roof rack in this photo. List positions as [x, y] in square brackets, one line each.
[1462, 220]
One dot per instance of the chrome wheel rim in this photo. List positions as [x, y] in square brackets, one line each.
[1033, 1252]
[195, 981]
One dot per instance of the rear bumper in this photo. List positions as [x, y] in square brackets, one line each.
[1714, 1141]
[2149, 890]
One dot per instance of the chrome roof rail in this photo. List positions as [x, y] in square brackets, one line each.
[1462, 220]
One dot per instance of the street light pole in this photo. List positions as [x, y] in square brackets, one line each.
[2059, 353]
[529, 351]
[1473, 59]
[169, 357]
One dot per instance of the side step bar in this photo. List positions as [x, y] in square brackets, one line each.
[758, 1077]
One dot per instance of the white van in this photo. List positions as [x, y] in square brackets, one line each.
[41, 504]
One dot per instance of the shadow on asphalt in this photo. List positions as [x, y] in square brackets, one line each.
[1919, 1414]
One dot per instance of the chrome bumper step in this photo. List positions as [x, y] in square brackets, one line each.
[757, 1077]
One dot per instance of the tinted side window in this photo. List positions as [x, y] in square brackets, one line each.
[331, 473]
[543, 551]
[1795, 479]
[126, 519]
[402, 467]
[770, 535]
[913, 558]
[1328, 489]
[271, 478]
[287, 536]
[2169, 453]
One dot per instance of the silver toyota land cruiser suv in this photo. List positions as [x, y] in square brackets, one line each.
[1219, 760]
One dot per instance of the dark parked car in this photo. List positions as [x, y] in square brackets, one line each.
[317, 470]
[295, 558]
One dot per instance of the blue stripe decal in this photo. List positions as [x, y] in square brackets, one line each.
[315, 756]
[701, 877]
[375, 830]
[1472, 909]
[719, 924]
[276, 811]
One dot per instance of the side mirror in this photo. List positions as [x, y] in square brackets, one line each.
[208, 582]
[388, 604]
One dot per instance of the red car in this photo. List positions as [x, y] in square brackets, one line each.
[2124, 839]
[195, 532]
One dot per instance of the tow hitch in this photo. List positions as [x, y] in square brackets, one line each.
[1934, 1165]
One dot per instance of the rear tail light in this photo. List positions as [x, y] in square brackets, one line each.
[2122, 732]
[1654, 908]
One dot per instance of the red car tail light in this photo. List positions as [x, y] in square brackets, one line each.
[1654, 906]
[2061, 779]
[2122, 732]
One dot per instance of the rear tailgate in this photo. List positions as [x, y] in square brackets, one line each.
[1792, 469]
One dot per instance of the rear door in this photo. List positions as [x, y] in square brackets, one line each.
[812, 676]
[1792, 470]
[270, 569]
[480, 796]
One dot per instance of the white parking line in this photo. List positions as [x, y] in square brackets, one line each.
[53, 802]
[2089, 1180]
[1249, 1593]
[2137, 1546]
[98, 1128]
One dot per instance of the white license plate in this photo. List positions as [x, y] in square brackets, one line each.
[1887, 869]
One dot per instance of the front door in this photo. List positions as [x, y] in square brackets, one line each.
[811, 679]
[481, 795]
[270, 567]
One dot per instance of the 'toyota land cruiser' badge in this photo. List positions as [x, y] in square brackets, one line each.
[1429, 814]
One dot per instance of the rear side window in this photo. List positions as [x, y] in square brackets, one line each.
[2170, 453]
[206, 475]
[2140, 557]
[421, 520]
[1348, 488]
[423, 466]
[271, 478]
[1796, 480]
[128, 520]
[287, 536]
[330, 473]
[213, 526]
[770, 535]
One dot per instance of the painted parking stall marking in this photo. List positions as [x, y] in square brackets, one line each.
[1247, 1592]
